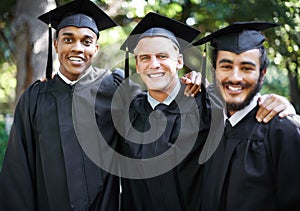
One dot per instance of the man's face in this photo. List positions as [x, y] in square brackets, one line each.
[157, 62]
[238, 77]
[76, 48]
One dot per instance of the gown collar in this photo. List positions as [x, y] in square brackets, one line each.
[68, 81]
[153, 102]
[239, 115]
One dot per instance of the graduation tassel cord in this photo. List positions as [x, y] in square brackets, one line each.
[120, 193]
[204, 68]
[126, 63]
[49, 66]
[203, 80]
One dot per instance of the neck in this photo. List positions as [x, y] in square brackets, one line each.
[158, 95]
[230, 113]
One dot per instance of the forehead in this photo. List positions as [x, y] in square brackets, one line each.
[156, 44]
[75, 31]
[252, 54]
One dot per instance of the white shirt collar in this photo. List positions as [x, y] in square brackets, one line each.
[239, 115]
[68, 81]
[153, 102]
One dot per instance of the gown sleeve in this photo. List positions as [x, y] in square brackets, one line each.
[284, 146]
[17, 189]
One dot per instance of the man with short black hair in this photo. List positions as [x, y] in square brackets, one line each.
[255, 166]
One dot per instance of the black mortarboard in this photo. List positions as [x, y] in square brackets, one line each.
[154, 24]
[79, 13]
[237, 37]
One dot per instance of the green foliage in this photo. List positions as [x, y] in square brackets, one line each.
[276, 82]
[7, 86]
[3, 141]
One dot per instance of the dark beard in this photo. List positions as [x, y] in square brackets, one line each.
[239, 106]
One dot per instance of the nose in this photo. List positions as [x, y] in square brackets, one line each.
[77, 47]
[235, 75]
[154, 62]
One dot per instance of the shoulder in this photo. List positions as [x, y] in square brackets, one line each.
[28, 101]
[33, 90]
[140, 98]
[286, 131]
[118, 76]
[140, 103]
[111, 81]
[289, 122]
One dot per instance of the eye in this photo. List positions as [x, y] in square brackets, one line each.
[67, 40]
[226, 67]
[87, 42]
[144, 58]
[163, 56]
[247, 68]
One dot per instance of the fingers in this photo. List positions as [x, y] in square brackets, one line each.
[185, 80]
[191, 90]
[272, 105]
[192, 77]
[288, 111]
[193, 82]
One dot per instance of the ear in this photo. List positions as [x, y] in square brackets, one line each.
[97, 48]
[137, 65]
[180, 62]
[55, 43]
[263, 72]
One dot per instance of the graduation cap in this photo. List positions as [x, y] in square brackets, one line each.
[237, 37]
[153, 25]
[78, 13]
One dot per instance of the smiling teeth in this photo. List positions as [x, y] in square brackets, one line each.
[234, 88]
[75, 59]
[157, 75]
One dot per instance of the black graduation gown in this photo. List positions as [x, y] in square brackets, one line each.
[255, 167]
[44, 166]
[177, 189]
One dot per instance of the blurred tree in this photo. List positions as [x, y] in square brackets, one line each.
[30, 38]
[28, 49]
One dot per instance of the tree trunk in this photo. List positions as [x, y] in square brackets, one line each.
[31, 38]
[294, 86]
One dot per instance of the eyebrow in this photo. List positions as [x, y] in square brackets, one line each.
[225, 61]
[72, 34]
[231, 62]
[68, 34]
[161, 52]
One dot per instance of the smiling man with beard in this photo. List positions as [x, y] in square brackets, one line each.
[256, 165]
